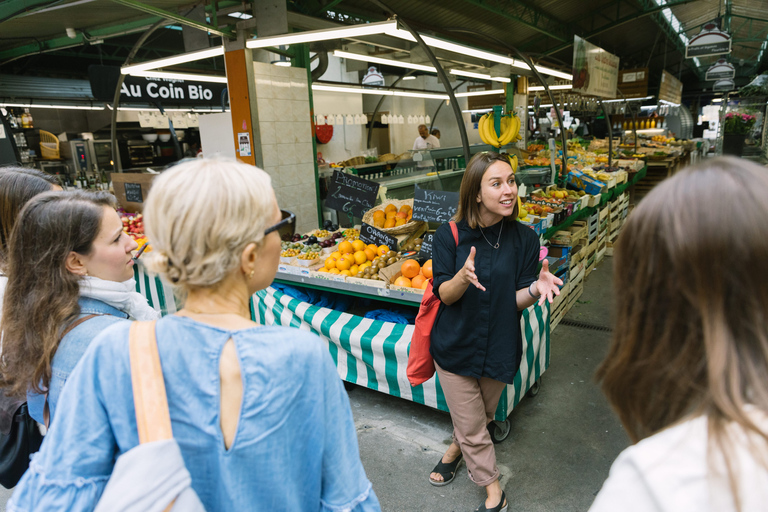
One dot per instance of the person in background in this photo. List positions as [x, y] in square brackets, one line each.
[436, 133]
[687, 370]
[259, 412]
[70, 275]
[425, 140]
[483, 283]
[17, 186]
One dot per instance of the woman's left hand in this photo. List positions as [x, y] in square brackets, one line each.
[548, 284]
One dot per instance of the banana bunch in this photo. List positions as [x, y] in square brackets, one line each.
[512, 162]
[510, 128]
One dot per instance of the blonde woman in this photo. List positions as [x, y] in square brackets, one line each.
[259, 412]
[688, 368]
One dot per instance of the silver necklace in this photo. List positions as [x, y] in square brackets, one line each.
[497, 241]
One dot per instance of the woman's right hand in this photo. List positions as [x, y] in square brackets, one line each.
[467, 272]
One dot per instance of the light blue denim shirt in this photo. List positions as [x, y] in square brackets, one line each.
[71, 349]
[295, 448]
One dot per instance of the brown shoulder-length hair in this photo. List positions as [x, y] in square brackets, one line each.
[16, 188]
[469, 208]
[691, 292]
[41, 294]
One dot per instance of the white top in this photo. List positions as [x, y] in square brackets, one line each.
[669, 472]
[430, 142]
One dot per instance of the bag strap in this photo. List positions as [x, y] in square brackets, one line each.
[152, 417]
[455, 231]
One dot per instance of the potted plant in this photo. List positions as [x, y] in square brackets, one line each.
[735, 128]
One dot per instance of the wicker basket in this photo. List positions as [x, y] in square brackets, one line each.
[407, 228]
[49, 145]
[387, 157]
[358, 160]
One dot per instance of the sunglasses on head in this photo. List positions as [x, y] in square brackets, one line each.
[288, 220]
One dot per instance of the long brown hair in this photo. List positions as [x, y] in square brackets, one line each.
[41, 295]
[469, 208]
[691, 292]
[16, 188]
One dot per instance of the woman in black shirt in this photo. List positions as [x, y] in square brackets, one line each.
[476, 342]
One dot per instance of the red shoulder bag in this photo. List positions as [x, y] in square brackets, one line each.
[421, 367]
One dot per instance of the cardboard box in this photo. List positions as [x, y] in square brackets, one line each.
[391, 273]
[131, 189]
[585, 182]
[375, 283]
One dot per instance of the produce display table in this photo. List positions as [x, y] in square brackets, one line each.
[372, 353]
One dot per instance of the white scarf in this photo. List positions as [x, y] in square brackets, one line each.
[122, 296]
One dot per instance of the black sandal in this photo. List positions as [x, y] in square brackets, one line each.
[501, 507]
[446, 469]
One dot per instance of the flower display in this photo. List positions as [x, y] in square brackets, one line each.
[737, 123]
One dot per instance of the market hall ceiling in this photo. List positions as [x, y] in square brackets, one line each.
[34, 39]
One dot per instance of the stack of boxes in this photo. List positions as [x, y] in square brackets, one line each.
[619, 211]
[571, 243]
[593, 225]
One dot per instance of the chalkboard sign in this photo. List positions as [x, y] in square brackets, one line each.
[133, 193]
[434, 205]
[426, 247]
[351, 194]
[371, 235]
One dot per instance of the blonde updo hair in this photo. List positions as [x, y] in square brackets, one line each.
[201, 214]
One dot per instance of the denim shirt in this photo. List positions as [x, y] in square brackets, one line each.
[295, 447]
[70, 350]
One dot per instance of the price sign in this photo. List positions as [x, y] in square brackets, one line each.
[426, 247]
[434, 205]
[351, 194]
[133, 193]
[371, 235]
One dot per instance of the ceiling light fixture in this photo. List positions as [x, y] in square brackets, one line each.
[629, 99]
[386, 62]
[481, 76]
[181, 76]
[409, 78]
[176, 59]
[479, 93]
[364, 29]
[379, 92]
[47, 105]
[551, 88]
[240, 15]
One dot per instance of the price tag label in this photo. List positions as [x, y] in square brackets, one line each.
[133, 193]
[351, 194]
[371, 235]
[434, 205]
[426, 247]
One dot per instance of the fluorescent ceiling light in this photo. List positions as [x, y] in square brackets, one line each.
[551, 88]
[665, 102]
[477, 110]
[479, 93]
[717, 100]
[177, 59]
[409, 78]
[386, 62]
[282, 63]
[629, 99]
[379, 92]
[46, 105]
[481, 76]
[240, 15]
[363, 29]
[181, 76]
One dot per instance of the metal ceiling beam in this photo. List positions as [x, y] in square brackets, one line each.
[59, 43]
[10, 9]
[527, 15]
[672, 35]
[160, 13]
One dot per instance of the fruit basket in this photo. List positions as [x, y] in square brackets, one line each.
[49, 145]
[358, 160]
[409, 227]
[387, 157]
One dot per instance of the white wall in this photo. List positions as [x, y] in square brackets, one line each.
[216, 137]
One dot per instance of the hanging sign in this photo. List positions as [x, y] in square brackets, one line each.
[371, 235]
[373, 77]
[595, 71]
[710, 41]
[671, 89]
[724, 85]
[434, 205]
[721, 70]
[633, 83]
[351, 194]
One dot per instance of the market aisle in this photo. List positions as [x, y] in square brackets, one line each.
[557, 456]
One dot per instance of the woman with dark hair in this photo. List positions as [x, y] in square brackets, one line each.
[17, 187]
[70, 275]
[687, 371]
[483, 282]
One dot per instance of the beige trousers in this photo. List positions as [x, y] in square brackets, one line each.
[473, 403]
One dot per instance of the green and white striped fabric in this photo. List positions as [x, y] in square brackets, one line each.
[374, 354]
[369, 352]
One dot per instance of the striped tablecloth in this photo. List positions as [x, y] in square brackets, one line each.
[369, 352]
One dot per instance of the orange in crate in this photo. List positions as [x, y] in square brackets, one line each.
[402, 281]
[427, 269]
[417, 281]
[410, 268]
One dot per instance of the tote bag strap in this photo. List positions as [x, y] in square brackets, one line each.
[149, 398]
[455, 231]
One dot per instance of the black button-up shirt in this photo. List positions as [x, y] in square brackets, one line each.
[479, 334]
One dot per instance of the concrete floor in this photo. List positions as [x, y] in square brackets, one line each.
[556, 457]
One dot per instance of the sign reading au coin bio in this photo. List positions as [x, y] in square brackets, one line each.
[710, 41]
[351, 194]
[595, 71]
